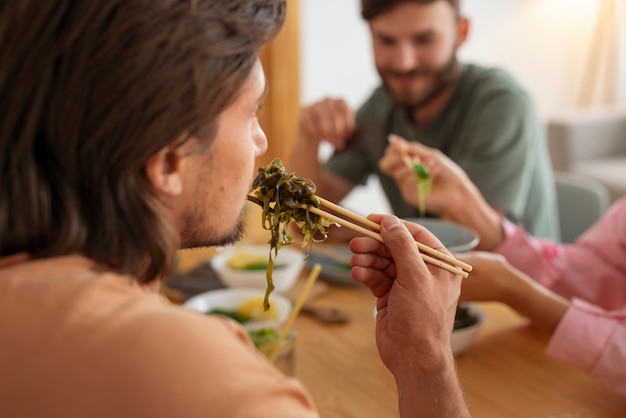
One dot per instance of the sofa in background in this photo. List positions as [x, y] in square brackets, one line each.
[591, 142]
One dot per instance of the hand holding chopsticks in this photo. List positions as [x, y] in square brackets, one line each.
[443, 260]
[297, 193]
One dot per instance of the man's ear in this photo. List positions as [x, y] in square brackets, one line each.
[164, 171]
[463, 27]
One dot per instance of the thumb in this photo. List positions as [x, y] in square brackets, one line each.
[400, 243]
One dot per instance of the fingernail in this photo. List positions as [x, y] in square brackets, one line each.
[391, 222]
[393, 138]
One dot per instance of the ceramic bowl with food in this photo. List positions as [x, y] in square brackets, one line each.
[469, 320]
[245, 266]
[243, 305]
[246, 307]
[456, 238]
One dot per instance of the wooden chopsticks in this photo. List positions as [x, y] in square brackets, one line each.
[443, 261]
[408, 161]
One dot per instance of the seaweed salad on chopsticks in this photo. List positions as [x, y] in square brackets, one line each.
[424, 183]
[286, 198]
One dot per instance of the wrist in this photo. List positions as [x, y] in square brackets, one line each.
[431, 387]
[471, 210]
[514, 290]
[540, 305]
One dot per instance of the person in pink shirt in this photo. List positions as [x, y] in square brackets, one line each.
[576, 292]
[129, 130]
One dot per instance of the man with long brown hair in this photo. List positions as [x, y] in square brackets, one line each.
[128, 131]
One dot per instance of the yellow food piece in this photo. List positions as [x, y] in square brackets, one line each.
[247, 261]
[253, 308]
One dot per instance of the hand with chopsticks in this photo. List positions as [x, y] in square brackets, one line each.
[416, 305]
[368, 227]
[287, 198]
[399, 162]
[453, 196]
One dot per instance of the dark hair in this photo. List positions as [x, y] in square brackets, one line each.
[372, 8]
[89, 91]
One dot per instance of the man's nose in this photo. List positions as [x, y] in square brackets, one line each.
[260, 143]
[405, 58]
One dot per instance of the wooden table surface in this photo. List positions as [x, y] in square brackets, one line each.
[505, 373]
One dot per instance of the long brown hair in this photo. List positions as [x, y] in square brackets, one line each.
[89, 90]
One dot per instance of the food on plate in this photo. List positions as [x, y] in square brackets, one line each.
[285, 198]
[264, 338]
[232, 314]
[251, 309]
[250, 261]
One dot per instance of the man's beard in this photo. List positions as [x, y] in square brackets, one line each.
[195, 237]
[440, 80]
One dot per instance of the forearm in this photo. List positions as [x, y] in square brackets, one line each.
[470, 209]
[542, 307]
[431, 391]
[304, 159]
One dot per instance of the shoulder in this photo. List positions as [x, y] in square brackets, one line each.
[481, 77]
[116, 346]
[494, 95]
[485, 85]
[195, 364]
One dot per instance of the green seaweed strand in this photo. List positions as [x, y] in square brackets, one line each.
[285, 198]
[424, 185]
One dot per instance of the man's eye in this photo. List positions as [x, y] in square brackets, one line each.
[424, 39]
[384, 40]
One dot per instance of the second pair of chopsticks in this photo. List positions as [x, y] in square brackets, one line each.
[443, 260]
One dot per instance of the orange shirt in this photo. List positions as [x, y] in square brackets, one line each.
[79, 341]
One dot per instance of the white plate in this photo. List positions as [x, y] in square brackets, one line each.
[231, 298]
[454, 237]
[288, 264]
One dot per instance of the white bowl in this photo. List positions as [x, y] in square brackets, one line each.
[231, 299]
[456, 238]
[287, 267]
[462, 338]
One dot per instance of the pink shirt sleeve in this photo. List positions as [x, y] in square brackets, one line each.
[593, 268]
[594, 341]
[592, 273]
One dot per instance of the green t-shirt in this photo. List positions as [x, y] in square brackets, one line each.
[489, 127]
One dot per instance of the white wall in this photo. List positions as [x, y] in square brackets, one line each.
[543, 43]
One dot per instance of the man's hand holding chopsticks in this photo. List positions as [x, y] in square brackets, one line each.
[416, 305]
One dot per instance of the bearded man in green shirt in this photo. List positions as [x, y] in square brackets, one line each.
[480, 117]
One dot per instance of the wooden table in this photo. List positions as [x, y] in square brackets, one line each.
[505, 373]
